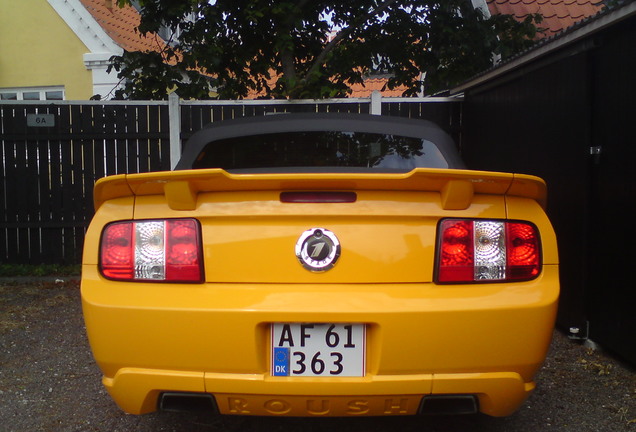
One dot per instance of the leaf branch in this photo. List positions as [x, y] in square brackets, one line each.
[344, 33]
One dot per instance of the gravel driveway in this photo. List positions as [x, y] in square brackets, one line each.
[49, 382]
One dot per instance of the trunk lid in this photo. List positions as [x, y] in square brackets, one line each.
[387, 234]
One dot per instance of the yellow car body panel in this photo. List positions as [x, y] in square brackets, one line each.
[422, 338]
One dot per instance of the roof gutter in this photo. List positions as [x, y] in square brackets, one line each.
[568, 38]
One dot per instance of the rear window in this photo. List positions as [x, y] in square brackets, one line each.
[321, 149]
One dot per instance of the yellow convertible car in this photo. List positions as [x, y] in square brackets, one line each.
[320, 265]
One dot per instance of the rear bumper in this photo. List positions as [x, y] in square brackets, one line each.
[137, 391]
[422, 339]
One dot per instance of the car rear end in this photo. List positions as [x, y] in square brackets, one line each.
[320, 294]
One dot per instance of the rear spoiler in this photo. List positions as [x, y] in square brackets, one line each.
[456, 187]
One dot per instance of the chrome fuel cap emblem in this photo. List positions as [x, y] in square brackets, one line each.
[318, 249]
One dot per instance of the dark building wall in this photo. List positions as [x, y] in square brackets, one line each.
[613, 256]
[543, 120]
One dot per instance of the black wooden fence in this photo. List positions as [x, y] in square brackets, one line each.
[52, 154]
[51, 157]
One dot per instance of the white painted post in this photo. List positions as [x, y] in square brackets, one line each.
[376, 103]
[174, 114]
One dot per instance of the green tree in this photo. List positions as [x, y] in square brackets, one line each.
[313, 48]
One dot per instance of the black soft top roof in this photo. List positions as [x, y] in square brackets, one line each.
[305, 122]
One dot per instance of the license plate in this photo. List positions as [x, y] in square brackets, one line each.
[324, 350]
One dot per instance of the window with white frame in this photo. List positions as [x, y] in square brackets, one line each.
[32, 93]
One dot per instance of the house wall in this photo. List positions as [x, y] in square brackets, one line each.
[38, 49]
[611, 301]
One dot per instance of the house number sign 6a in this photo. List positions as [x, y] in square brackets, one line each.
[40, 120]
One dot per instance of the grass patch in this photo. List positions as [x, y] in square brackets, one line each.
[13, 270]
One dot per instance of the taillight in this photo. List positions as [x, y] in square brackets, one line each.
[156, 250]
[487, 250]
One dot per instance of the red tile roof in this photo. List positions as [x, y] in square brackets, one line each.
[373, 84]
[358, 90]
[120, 24]
[557, 14]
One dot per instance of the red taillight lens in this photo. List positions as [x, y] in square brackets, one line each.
[487, 250]
[159, 250]
[456, 251]
[117, 251]
[182, 250]
[524, 251]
